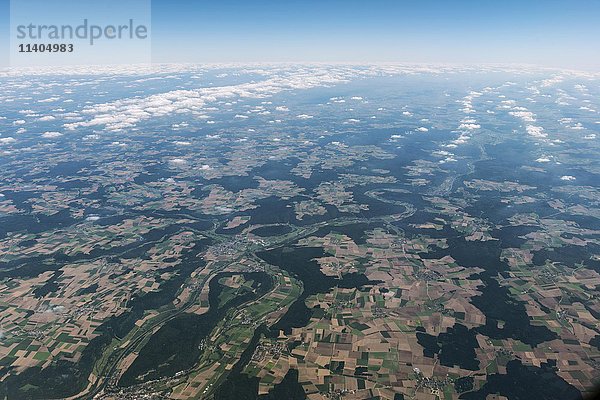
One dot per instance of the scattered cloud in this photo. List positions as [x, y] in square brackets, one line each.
[51, 135]
[7, 140]
[535, 131]
[49, 100]
[469, 126]
[178, 161]
[526, 116]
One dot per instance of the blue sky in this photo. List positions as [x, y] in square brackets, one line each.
[544, 32]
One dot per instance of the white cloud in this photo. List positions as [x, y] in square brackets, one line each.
[586, 108]
[7, 140]
[469, 126]
[552, 81]
[567, 178]
[126, 113]
[447, 160]
[577, 127]
[51, 135]
[49, 100]
[526, 116]
[462, 139]
[535, 131]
